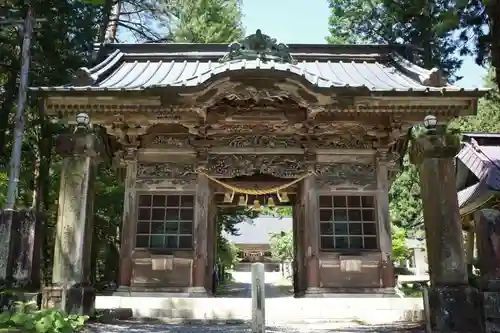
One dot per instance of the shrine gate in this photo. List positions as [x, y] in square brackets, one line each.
[323, 127]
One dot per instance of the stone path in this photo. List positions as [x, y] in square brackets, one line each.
[342, 327]
[241, 287]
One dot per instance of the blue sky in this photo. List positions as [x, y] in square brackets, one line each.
[306, 21]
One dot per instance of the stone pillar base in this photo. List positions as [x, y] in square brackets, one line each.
[122, 291]
[454, 309]
[314, 292]
[491, 311]
[198, 292]
[75, 300]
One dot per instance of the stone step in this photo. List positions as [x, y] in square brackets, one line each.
[370, 310]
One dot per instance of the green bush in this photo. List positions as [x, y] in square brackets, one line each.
[26, 318]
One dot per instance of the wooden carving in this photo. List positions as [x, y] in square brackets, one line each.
[165, 170]
[166, 141]
[258, 46]
[257, 141]
[335, 174]
[343, 142]
[229, 166]
[231, 128]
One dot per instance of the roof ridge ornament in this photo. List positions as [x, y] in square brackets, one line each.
[258, 46]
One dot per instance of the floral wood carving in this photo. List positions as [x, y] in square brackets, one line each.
[173, 182]
[282, 128]
[343, 142]
[230, 166]
[166, 141]
[165, 170]
[258, 141]
[334, 174]
[257, 95]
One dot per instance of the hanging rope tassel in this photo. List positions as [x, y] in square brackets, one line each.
[252, 191]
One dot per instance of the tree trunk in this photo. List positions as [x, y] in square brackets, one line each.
[6, 108]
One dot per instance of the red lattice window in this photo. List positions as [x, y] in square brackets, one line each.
[165, 221]
[348, 222]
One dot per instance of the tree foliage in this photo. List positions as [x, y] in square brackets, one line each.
[399, 248]
[208, 21]
[405, 203]
[282, 246]
[427, 26]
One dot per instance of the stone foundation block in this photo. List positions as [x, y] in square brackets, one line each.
[491, 311]
[76, 299]
[455, 309]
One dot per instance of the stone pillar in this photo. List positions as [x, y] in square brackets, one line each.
[203, 198]
[487, 226]
[384, 223]
[258, 298]
[454, 306]
[129, 222]
[71, 270]
[310, 206]
[26, 234]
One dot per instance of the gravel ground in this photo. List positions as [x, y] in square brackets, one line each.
[343, 327]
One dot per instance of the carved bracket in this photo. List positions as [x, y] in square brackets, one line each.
[229, 166]
[125, 132]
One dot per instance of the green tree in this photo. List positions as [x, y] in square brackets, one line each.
[213, 21]
[399, 248]
[428, 26]
[405, 203]
[282, 246]
[60, 46]
[208, 21]
[228, 219]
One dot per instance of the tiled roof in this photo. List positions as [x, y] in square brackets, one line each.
[143, 66]
[470, 197]
[483, 162]
[260, 230]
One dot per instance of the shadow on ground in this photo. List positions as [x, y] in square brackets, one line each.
[159, 327]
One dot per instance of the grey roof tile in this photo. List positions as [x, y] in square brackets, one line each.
[138, 67]
[483, 162]
[470, 197]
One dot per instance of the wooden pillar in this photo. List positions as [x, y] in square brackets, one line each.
[129, 221]
[384, 223]
[311, 220]
[211, 246]
[299, 231]
[203, 199]
[454, 305]
[71, 269]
